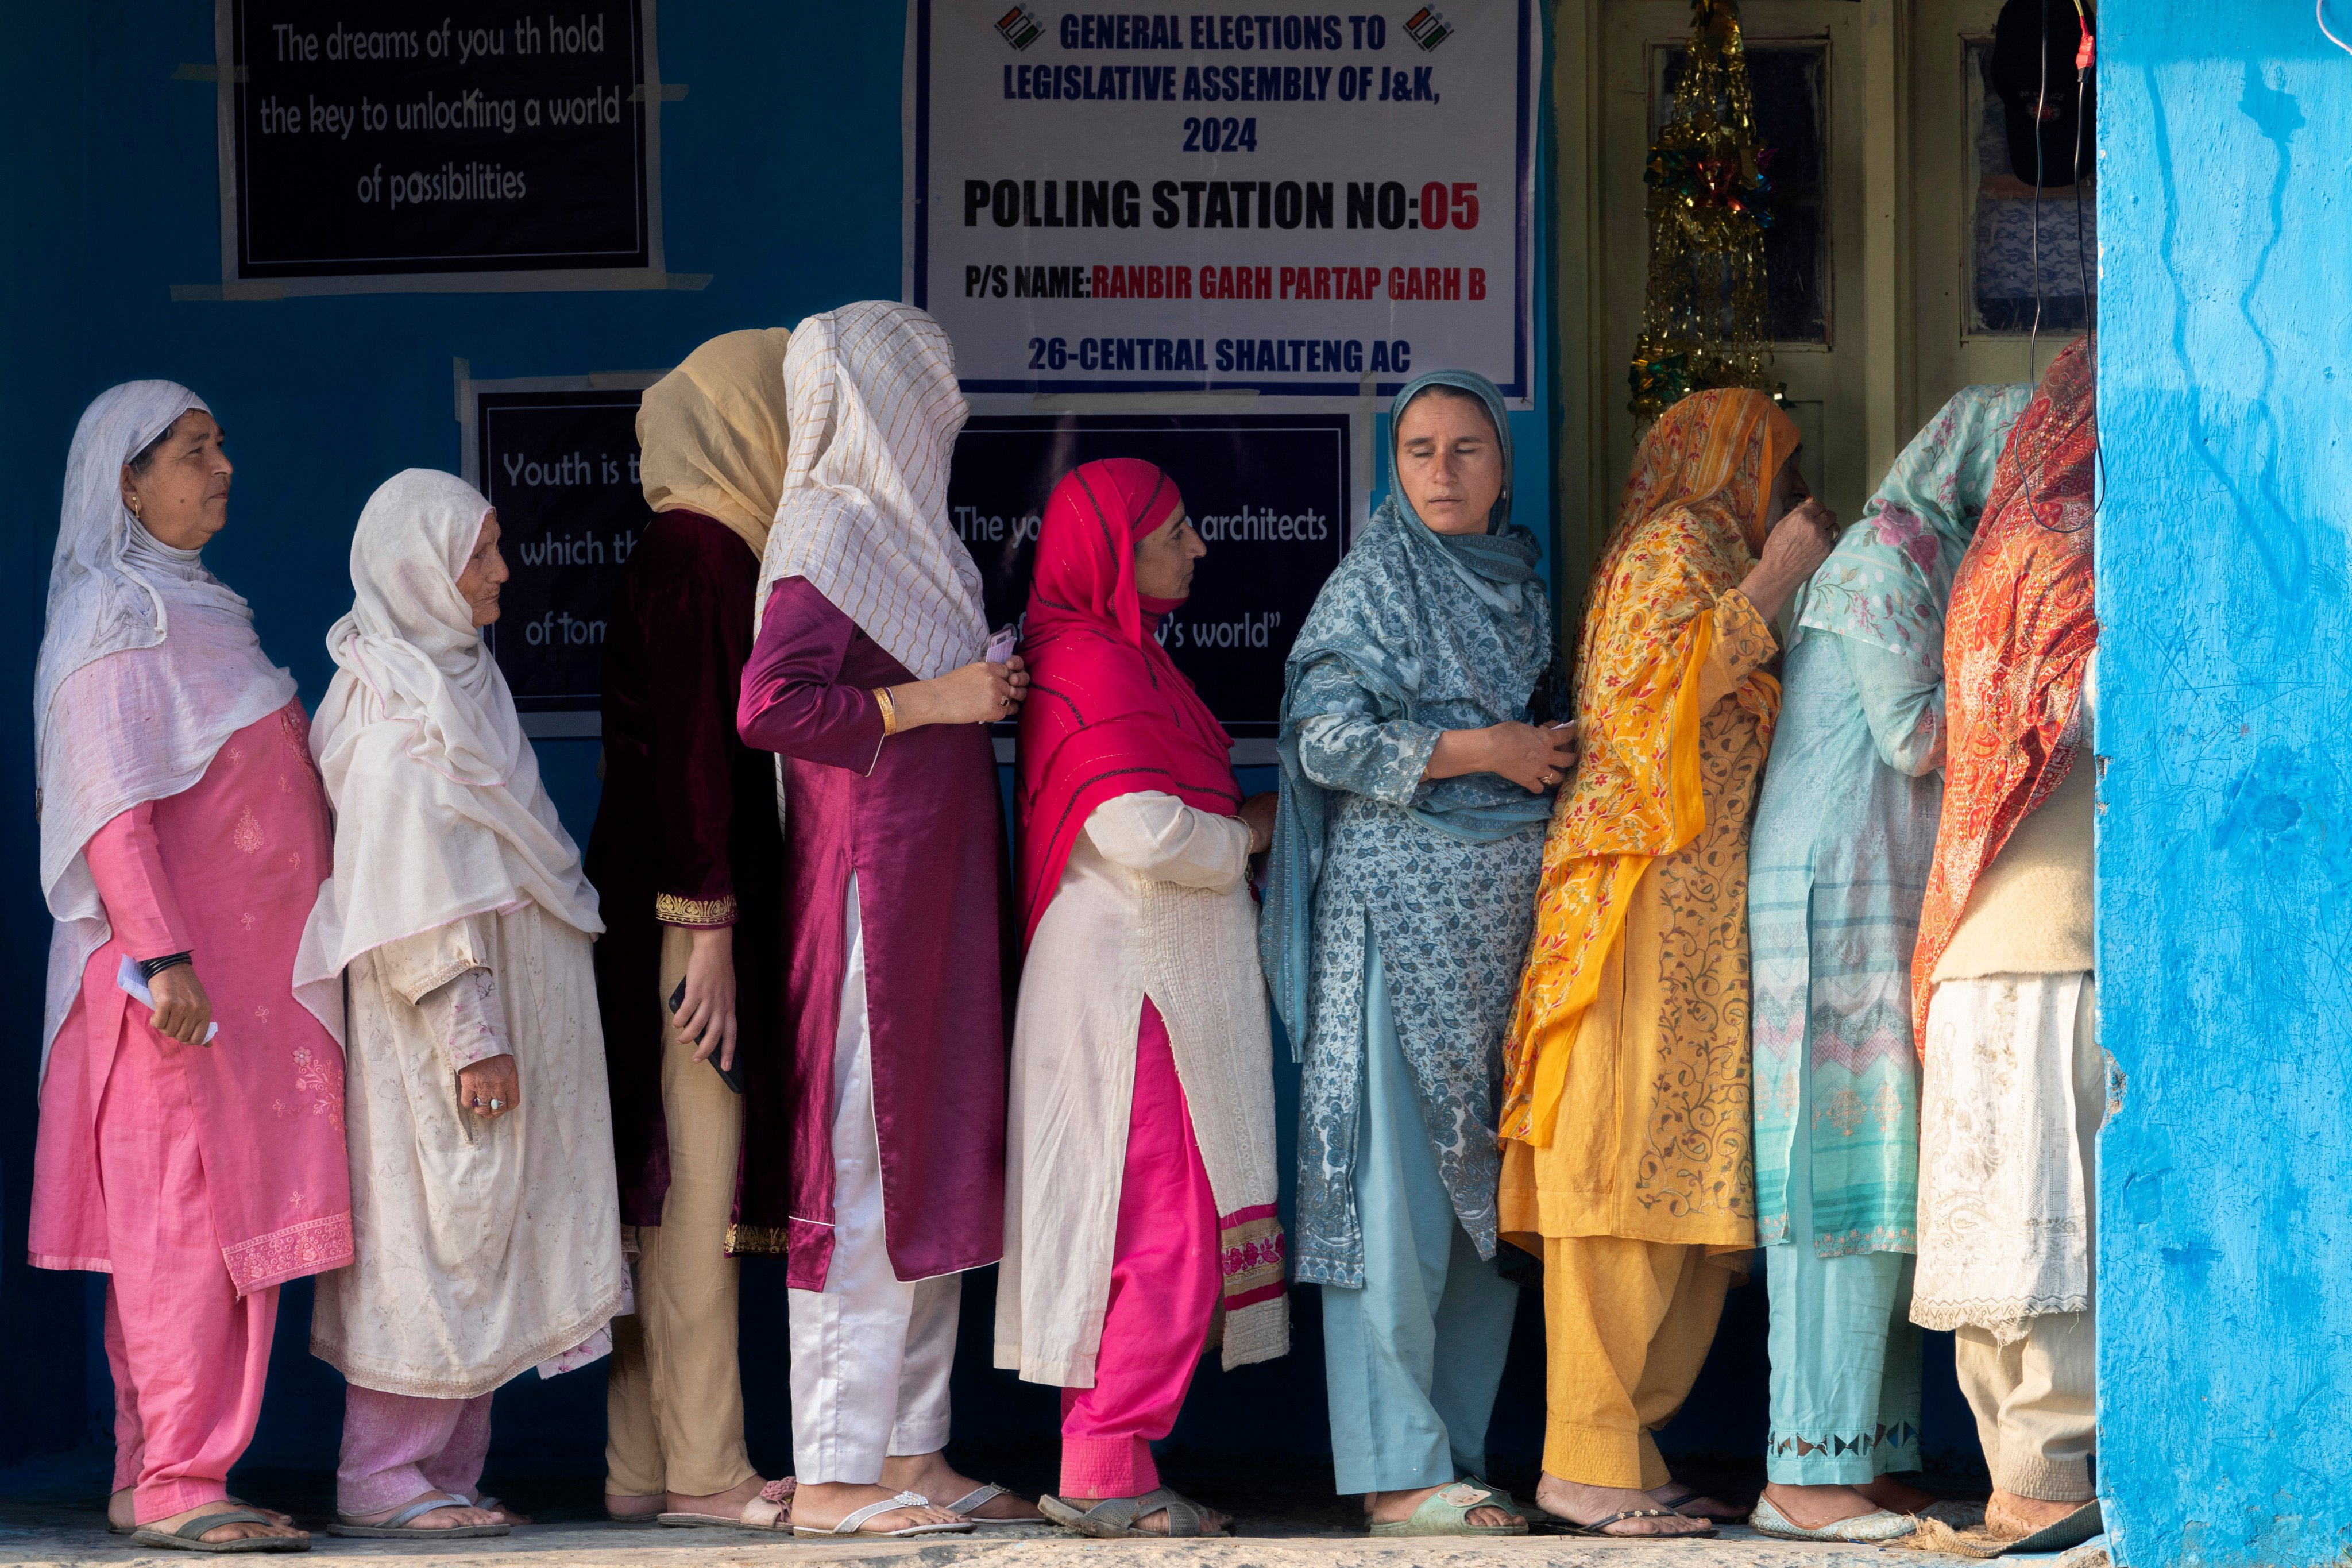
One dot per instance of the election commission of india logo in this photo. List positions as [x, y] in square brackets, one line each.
[1427, 26]
[1020, 29]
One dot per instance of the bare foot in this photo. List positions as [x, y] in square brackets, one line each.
[120, 1513]
[930, 1474]
[1898, 1496]
[1816, 1506]
[498, 1512]
[1212, 1521]
[728, 1504]
[634, 1510]
[1685, 1499]
[826, 1505]
[1586, 1505]
[2007, 1515]
[1395, 1508]
[450, 1517]
[225, 1531]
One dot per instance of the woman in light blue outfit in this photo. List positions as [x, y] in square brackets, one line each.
[1415, 789]
[1838, 865]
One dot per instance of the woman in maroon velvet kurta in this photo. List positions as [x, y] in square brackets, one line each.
[689, 862]
[866, 678]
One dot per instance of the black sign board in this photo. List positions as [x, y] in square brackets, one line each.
[396, 137]
[561, 469]
[1267, 491]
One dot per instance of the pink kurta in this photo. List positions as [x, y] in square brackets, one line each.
[228, 869]
[918, 818]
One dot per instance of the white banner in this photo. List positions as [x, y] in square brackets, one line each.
[1284, 199]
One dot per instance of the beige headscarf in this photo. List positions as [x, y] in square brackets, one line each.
[872, 395]
[712, 435]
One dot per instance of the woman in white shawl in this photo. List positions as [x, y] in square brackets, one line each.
[456, 927]
[191, 1143]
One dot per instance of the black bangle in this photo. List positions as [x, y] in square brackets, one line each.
[150, 967]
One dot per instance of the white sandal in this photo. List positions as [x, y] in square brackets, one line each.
[852, 1523]
[770, 1511]
[979, 1497]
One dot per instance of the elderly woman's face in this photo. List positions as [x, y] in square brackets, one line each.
[1449, 462]
[181, 495]
[485, 573]
[1164, 557]
[1787, 489]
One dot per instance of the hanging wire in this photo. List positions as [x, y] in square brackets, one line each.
[2319, 12]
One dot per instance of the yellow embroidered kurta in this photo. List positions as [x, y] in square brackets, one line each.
[1627, 1108]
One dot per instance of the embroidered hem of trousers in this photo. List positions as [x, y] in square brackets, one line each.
[1412, 1359]
[1164, 1285]
[188, 1353]
[674, 1395]
[871, 1352]
[2036, 1399]
[399, 1446]
[1627, 1324]
[1844, 1352]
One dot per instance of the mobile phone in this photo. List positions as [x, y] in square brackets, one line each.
[1000, 646]
[731, 1077]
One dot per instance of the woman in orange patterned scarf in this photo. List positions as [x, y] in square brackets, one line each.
[1626, 1160]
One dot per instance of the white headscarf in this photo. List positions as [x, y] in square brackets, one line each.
[872, 403]
[439, 813]
[149, 665]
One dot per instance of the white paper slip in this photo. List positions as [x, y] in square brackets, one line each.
[129, 978]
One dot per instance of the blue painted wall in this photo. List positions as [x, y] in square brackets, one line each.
[2225, 399]
[781, 178]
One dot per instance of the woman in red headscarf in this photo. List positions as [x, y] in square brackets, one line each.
[1139, 1157]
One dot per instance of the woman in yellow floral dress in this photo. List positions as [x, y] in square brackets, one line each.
[1626, 1157]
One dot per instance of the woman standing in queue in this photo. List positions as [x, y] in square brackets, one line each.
[1629, 1161]
[866, 678]
[183, 837]
[1139, 1180]
[1416, 778]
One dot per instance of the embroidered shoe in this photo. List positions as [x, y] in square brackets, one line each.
[1862, 1532]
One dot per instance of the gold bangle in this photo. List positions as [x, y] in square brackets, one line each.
[890, 712]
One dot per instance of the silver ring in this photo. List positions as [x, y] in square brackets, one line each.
[497, 1106]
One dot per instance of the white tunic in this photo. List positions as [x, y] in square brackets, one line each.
[1146, 865]
[485, 1247]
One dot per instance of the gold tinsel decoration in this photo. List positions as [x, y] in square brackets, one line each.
[1703, 316]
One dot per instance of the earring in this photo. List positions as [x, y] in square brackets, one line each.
[133, 504]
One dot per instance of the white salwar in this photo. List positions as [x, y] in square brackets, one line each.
[871, 1352]
[1155, 902]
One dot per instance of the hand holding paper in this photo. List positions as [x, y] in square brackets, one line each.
[129, 978]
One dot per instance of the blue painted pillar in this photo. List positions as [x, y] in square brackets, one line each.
[2225, 948]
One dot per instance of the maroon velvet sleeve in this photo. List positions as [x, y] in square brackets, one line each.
[794, 701]
[687, 602]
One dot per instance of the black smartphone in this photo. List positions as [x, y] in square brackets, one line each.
[728, 1076]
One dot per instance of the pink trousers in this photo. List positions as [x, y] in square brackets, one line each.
[188, 1353]
[1164, 1282]
[398, 1447]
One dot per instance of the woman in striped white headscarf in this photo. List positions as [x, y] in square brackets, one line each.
[867, 678]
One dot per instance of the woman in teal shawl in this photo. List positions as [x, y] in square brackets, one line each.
[1838, 864]
[1415, 788]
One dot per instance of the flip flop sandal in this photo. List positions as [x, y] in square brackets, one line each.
[2072, 1531]
[1692, 1494]
[979, 1497]
[1115, 1518]
[1862, 1530]
[853, 1522]
[1559, 1524]
[1447, 1510]
[114, 1529]
[770, 1512]
[398, 1528]
[185, 1538]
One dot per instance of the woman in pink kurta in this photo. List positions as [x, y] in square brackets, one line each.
[192, 1149]
[866, 676]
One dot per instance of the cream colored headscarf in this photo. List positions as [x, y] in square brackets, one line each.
[711, 434]
[871, 390]
[439, 812]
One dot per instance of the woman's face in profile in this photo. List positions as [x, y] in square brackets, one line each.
[1449, 461]
[485, 573]
[1164, 558]
[181, 497]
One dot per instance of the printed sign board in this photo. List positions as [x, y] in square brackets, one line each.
[1288, 199]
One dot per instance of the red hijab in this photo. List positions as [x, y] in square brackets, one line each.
[1109, 714]
[2017, 640]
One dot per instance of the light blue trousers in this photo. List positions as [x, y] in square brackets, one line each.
[1845, 1355]
[1413, 1358]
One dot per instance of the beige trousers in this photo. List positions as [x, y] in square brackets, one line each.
[2036, 1399]
[674, 1399]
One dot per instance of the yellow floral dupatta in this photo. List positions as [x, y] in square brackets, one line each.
[1688, 530]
